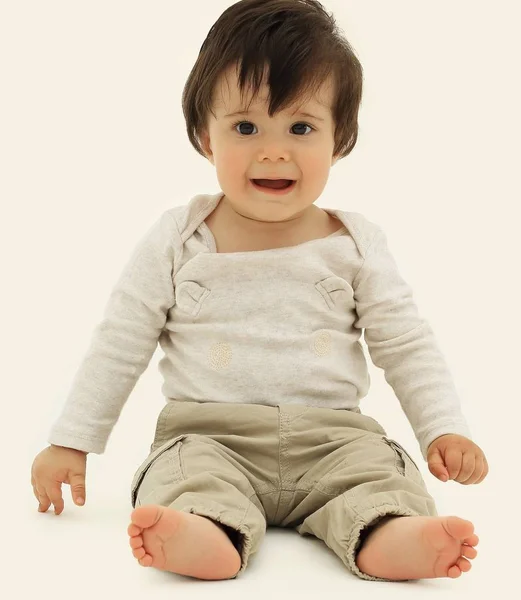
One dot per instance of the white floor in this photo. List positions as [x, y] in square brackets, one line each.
[84, 552]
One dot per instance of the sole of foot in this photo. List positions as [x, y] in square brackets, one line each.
[418, 548]
[182, 543]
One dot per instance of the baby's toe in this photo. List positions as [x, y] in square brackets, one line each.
[136, 542]
[463, 564]
[134, 530]
[469, 552]
[146, 561]
[472, 540]
[454, 572]
[458, 528]
[139, 553]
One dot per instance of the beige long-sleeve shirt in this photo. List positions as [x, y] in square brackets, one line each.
[262, 327]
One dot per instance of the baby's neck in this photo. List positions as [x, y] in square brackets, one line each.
[311, 217]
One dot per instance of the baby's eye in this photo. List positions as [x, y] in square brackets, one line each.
[246, 131]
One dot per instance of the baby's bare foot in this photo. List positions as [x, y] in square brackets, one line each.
[418, 548]
[182, 543]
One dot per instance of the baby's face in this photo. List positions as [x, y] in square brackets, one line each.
[288, 145]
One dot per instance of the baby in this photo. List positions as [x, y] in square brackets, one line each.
[258, 299]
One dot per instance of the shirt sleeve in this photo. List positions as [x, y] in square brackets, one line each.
[122, 343]
[402, 344]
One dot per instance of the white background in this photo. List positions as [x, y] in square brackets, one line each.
[94, 148]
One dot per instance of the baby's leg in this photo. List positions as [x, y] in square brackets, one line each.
[182, 543]
[382, 522]
[195, 514]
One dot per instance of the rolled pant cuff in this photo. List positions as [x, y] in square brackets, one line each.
[369, 518]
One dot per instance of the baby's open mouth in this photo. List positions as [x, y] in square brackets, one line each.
[277, 184]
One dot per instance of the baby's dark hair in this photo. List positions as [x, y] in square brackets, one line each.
[301, 44]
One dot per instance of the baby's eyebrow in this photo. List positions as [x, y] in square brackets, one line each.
[247, 112]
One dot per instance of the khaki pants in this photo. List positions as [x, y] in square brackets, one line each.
[329, 473]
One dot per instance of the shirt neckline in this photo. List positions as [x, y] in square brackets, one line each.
[209, 237]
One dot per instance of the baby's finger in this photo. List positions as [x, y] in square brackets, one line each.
[478, 471]
[55, 494]
[35, 492]
[437, 466]
[485, 471]
[44, 501]
[467, 469]
[453, 461]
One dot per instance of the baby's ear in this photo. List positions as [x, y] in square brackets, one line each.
[206, 146]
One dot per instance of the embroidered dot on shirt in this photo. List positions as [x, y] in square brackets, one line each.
[322, 343]
[220, 355]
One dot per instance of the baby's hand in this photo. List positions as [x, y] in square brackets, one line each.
[456, 457]
[52, 467]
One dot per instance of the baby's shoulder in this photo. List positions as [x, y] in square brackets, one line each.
[362, 229]
[188, 217]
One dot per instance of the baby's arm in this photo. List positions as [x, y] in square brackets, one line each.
[402, 344]
[122, 344]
